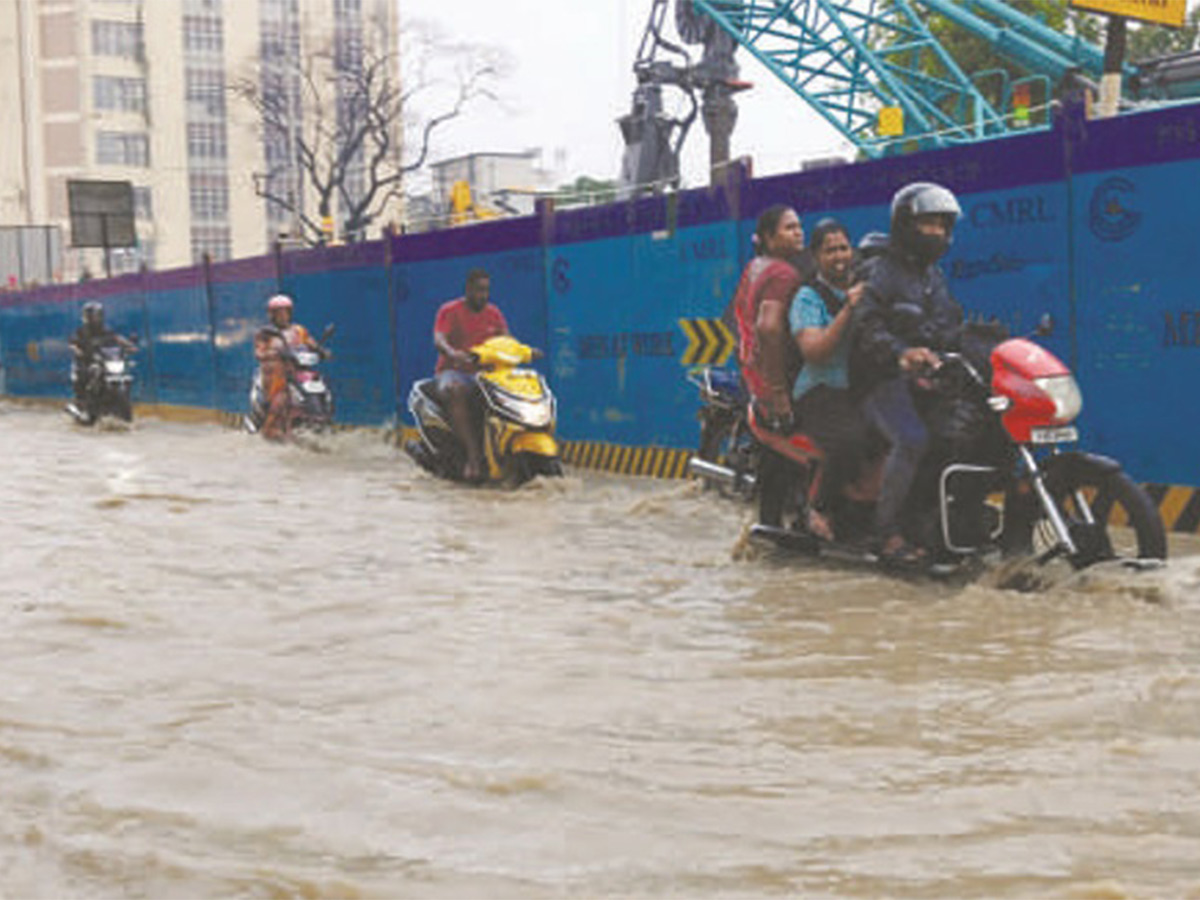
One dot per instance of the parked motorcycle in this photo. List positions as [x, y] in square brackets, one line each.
[518, 419]
[309, 394]
[108, 385]
[997, 476]
[727, 454]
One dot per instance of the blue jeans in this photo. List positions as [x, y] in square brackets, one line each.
[889, 407]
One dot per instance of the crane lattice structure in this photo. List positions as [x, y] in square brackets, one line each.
[850, 59]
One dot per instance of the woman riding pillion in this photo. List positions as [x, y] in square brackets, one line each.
[271, 345]
[821, 318]
[766, 353]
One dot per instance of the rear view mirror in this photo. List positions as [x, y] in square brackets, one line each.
[1045, 325]
[327, 333]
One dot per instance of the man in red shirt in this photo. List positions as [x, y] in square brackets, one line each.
[460, 325]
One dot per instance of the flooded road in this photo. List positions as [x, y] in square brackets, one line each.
[238, 670]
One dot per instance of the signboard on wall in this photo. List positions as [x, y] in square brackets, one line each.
[1160, 12]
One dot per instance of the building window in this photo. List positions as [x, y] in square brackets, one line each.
[206, 87]
[122, 39]
[209, 194]
[213, 240]
[122, 148]
[202, 34]
[119, 94]
[143, 203]
[206, 140]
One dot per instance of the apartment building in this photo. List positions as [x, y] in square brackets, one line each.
[142, 90]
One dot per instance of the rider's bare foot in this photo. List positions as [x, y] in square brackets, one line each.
[897, 551]
[819, 525]
[472, 472]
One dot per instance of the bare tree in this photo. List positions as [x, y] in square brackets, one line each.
[353, 123]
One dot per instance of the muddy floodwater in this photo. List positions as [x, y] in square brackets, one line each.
[239, 670]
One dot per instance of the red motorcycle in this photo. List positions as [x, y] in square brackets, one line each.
[996, 476]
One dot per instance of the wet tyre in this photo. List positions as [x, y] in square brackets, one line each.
[1109, 517]
[531, 465]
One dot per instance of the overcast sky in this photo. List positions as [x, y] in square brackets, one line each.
[573, 77]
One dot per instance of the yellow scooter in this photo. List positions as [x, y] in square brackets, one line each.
[518, 418]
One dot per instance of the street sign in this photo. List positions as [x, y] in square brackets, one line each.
[1160, 12]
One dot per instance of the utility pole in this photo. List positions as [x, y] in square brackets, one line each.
[1114, 63]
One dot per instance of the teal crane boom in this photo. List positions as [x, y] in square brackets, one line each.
[850, 59]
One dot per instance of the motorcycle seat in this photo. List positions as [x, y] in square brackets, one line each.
[796, 446]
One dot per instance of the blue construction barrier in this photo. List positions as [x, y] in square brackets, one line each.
[1091, 222]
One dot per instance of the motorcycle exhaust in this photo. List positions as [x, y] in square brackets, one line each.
[702, 468]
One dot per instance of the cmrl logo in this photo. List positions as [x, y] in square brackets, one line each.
[1110, 213]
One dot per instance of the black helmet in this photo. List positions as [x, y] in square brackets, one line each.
[872, 244]
[923, 198]
[93, 314]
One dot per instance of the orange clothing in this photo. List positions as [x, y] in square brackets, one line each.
[268, 350]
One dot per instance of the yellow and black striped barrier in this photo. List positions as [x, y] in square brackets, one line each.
[1178, 506]
[710, 342]
[653, 462]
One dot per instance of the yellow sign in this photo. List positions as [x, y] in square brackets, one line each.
[709, 342]
[1161, 12]
[891, 121]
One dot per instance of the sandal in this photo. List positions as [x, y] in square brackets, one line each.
[818, 525]
[898, 552]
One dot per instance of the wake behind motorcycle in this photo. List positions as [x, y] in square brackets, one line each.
[108, 385]
[518, 419]
[309, 395]
[996, 477]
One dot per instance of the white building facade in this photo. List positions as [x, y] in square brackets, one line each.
[141, 90]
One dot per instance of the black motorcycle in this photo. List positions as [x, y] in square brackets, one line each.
[107, 384]
[727, 454]
[998, 477]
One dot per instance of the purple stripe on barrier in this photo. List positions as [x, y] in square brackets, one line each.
[466, 240]
[332, 259]
[256, 268]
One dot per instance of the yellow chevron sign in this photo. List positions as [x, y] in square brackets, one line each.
[709, 342]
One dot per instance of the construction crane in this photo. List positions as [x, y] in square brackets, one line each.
[874, 70]
[653, 137]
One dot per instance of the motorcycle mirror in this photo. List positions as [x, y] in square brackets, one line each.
[328, 332]
[1045, 326]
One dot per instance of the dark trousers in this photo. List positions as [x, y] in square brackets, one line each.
[889, 407]
[830, 417]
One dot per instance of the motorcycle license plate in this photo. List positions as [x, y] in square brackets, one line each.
[313, 387]
[1061, 434]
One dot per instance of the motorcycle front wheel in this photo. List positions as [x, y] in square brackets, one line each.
[531, 465]
[725, 440]
[1109, 517]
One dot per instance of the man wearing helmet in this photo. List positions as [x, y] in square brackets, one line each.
[270, 344]
[90, 336]
[905, 317]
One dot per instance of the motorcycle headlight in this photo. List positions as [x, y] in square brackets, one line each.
[1064, 392]
[114, 366]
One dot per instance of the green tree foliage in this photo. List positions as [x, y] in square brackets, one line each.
[975, 55]
[1149, 41]
[585, 190]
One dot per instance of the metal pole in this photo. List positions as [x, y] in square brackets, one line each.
[1114, 61]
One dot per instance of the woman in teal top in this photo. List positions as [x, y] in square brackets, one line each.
[820, 320]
